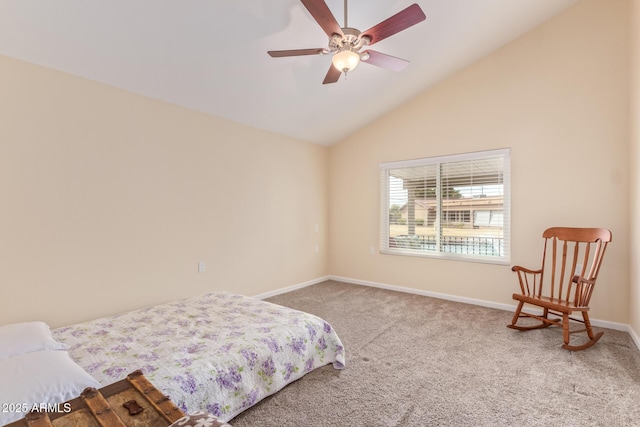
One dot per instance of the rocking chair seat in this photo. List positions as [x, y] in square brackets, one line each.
[551, 303]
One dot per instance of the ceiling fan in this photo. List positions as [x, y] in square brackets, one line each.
[345, 43]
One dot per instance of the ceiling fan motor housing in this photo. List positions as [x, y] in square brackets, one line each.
[352, 40]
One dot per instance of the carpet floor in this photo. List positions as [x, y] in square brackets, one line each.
[420, 361]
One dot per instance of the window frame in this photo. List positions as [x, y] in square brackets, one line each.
[385, 206]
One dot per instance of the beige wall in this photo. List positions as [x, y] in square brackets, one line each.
[558, 97]
[635, 165]
[110, 199]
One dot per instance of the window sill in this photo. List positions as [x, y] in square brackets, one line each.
[447, 256]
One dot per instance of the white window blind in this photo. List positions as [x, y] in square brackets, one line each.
[449, 207]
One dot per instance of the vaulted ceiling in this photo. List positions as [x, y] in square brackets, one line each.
[211, 55]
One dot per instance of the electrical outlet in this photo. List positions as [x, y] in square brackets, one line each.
[201, 267]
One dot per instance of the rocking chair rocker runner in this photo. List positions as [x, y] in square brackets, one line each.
[564, 284]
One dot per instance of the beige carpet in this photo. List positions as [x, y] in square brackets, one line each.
[419, 361]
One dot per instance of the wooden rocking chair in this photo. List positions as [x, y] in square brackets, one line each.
[564, 284]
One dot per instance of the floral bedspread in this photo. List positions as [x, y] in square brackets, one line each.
[220, 353]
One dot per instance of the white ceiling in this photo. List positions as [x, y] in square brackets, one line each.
[210, 55]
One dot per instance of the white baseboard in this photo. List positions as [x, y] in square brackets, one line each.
[634, 337]
[291, 288]
[438, 295]
[483, 303]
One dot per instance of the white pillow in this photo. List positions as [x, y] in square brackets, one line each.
[39, 377]
[21, 338]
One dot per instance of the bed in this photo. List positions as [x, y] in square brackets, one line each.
[220, 353]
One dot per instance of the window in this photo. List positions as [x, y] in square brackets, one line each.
[453, 207]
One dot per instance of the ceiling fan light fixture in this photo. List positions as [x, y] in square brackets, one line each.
[345, 60]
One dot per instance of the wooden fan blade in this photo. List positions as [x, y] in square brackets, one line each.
[385, 61]
[323, 16]
[332, 75]
[398, 22]
[294, 52]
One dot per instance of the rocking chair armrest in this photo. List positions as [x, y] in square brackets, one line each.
[525, 270]
[580, 279]
[583, 290]
[529, 280]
